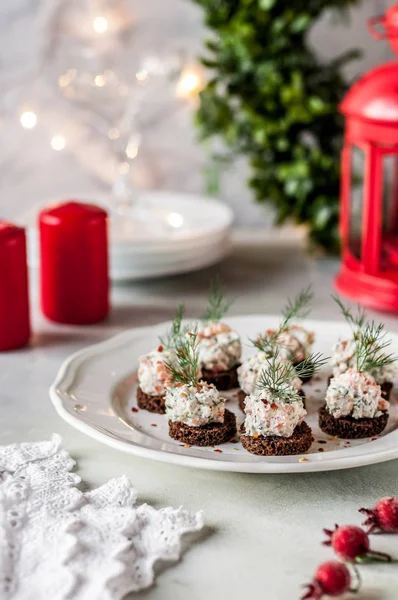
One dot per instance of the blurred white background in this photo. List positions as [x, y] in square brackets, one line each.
[31, 171]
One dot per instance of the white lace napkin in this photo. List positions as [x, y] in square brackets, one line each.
[59, 543]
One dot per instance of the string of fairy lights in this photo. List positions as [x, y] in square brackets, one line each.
[102, 24]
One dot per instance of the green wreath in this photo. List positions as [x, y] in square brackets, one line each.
[273, 100]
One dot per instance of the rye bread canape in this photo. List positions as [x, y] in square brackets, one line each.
[218, 344]
[274, 424]
[153, 374]
[355, 407]
[250, 371]
[294, 341]
[195, 409]
[343, 356]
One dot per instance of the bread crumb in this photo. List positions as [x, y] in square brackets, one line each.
[303, 459]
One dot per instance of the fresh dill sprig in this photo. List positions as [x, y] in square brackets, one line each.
[298, 308]
[185, 368]
[280, 374]
[275, 377]
[172, 336]
[266, 344]
[311, 365]
[356, 321]
[217, 306]
[370, 348]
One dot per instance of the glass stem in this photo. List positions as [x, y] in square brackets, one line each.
[123, 191]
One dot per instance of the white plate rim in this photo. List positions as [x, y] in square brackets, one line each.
[70, 366]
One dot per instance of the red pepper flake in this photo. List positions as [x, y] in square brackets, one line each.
[135, 409]
[322, 442]
[321, 449]
[160, 348]
[373, 439]
[274, 406]
[217, 450]
[153, 425]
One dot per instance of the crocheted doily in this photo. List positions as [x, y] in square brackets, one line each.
[61, 543]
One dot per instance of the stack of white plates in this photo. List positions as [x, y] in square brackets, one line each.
[168, 233]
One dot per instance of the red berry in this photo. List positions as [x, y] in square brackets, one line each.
[351, 543]
[348, 542]
[383, 517]
[331, 578]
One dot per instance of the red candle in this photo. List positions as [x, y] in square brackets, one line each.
[14, 294]
[74, 263]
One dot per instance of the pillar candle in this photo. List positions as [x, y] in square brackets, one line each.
[14, 294]
[74, 263]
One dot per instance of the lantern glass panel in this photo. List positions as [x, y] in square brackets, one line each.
[389, 247]
[356, 201]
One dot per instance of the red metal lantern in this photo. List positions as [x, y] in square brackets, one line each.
[369, 184]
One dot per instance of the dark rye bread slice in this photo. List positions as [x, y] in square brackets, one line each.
[349, 428]
[242, 397]
[153, 404]
[223, 380]
[386, 388]
[273, 445]
[211, 434]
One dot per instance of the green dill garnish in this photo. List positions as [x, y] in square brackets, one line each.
[217, 306]
[355, 321]
[185, 368]
[267, 344]
[172, 336]
[278, 376]
[370, 339]
[370, 346]
[298, 308]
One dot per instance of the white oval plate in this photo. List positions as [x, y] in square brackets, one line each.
[95, 392]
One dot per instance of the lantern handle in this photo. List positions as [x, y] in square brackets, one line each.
[373, 22]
